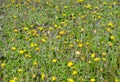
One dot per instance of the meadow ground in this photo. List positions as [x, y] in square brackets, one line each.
[60, 40]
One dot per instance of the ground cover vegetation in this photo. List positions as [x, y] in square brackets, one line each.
[60, 40]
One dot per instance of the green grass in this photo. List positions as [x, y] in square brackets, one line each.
[60, 40]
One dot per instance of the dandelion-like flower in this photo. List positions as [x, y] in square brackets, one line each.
[43, 76]
[70, 64]
[70, 80]
[74, 72]
[13, 48]
[80, 45]
[92, 80]
[79, 1]
[12, 80]
[54, 60]
[53, 78]
[3, 65]
[21, 51]
[19, 70]
[96, 59]
[93, 55]
[35, 63]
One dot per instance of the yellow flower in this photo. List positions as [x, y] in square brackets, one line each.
[53, 78]
[13, 48]
[35, 63]
[92, 80]
[71, 45]
[54, 60]
[28, 0]
[15, 30]
[116, 80]
[112, 37]
[65, 7]
[99, 17]
[79, 1]
[55, 25]
[74, 72]
[43, 40]
[19, 70]
[110, 7]
[70, 64]
[58, 37]
[15, 17]
[43, 76]
[70, 80]
[64, 15]
[104, 3]
[50, 28]
[33, 45]
[109, 30]
[104, 59]
[3, 65]
[27, 56]
[88, 6]
[114, 3]
[96, 59]
[17, 5]
[12, 81]
[110, 24]
[104, 53]
[82, 17]
[82, 29]
[13, 1]
[87, 43]
[37, 49]
[93, 55]
[61, 32]
[65, 42]
[21, 51]
[25, 28]
[80, 45]
[40, 28]
[34, 75]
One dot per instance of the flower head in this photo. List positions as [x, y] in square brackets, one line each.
[12, 80]
[34, 75]
[53, 78]
[92, 80]
[79, 1]
[13, 48]
[43, 40]
[21, 51]
[110, 24]
[19, 70]
[54, 60]
[43, 76]
[3, 65]
[80, 45]
[35, 63]
[93, 55]
[70, 80]
[70, 64]
[112, 37]
[96, 59]
[74, 72]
